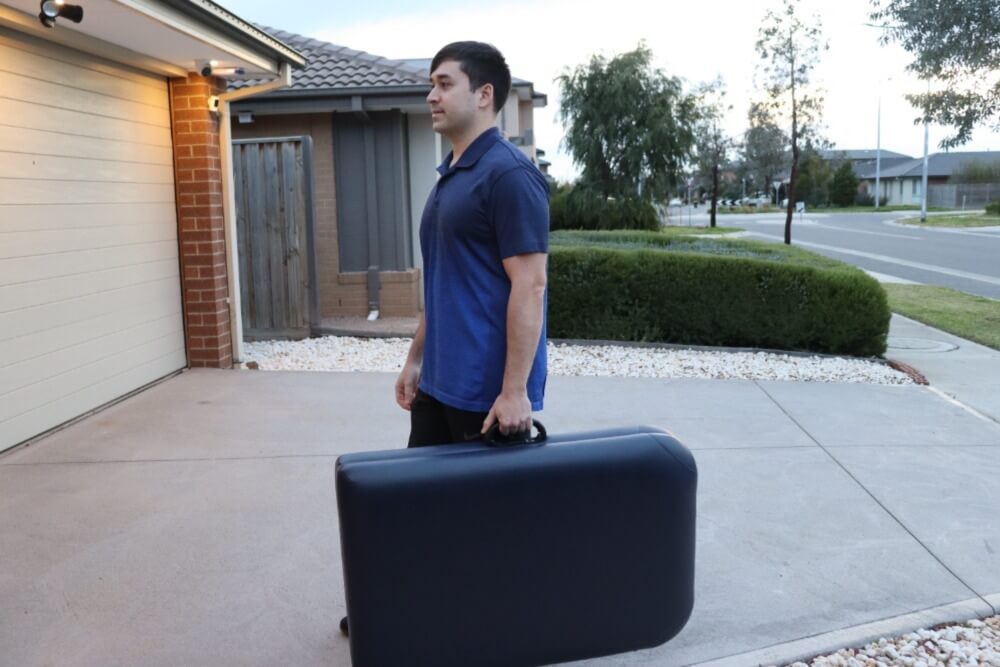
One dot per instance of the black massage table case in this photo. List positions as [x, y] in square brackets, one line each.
[479, 555]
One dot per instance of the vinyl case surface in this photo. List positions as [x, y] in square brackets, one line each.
[473, 555]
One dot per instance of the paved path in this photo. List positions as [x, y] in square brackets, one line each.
[960, 368]
[195, 523]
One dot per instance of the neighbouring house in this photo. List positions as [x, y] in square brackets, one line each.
[901, 176]
[374, 157]
[863, 158]
[901, 183]
[115, 237]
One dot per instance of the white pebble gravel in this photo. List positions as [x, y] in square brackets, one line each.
[962, 645]
[340, 353]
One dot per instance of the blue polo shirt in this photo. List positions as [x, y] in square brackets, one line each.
[491, 205]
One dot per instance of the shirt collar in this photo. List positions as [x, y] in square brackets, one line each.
[475, 150]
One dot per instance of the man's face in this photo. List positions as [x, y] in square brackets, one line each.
[454, 105]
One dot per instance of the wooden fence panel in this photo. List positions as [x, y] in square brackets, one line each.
[272, 186]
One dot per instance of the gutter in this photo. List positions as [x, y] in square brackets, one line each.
[221, 18]
[229, 199]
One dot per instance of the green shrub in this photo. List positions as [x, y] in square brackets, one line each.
[993, 208]
[578, 208]
[844, 185]
[725, 298]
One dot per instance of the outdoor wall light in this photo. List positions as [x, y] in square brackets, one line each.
[209, 70]
[53, 9]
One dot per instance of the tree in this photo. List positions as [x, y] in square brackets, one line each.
[958, 44]
[976, 172]
[764, 147]
[713, 144]
[844, 186]
[815, 176]
[790, 50]
[630, 127]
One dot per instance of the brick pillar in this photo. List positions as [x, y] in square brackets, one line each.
[201, 232]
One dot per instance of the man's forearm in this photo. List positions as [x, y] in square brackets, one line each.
[416, 353]
[525, 310]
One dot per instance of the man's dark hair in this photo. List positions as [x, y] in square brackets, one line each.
[482, 63]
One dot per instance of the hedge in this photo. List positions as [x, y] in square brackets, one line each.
[577, 208]
[993, 208]
[691, 297]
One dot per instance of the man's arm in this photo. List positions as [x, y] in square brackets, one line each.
[525, 311]
[409, 377]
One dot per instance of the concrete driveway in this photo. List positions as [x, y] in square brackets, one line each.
[195, 523]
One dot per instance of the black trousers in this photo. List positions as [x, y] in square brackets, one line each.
[434, 423]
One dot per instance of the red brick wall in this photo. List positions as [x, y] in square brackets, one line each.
[201, 231]
[398, 293]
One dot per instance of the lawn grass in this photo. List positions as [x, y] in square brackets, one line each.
[688, 230]
[975, 318]
[974, 220]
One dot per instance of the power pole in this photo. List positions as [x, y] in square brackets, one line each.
[878, 152]
[923, 189]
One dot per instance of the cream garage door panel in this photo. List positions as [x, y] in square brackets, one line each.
[47, 142]
[47, 62]
[128, 371]
[27, 269]
[35, 321]
[24, 165]
[24, 383]
[56, 291]
[52, 243]
[90, 299]
[39, 191]
[38, 91]
[52, 339]
[82, 216]
[121, 130]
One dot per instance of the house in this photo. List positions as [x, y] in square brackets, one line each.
[374, 158]
[864, 158]
[900, 182]
[115, 218]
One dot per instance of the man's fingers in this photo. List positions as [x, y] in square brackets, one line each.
[488, 422]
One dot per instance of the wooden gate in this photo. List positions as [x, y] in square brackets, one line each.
[276, 237]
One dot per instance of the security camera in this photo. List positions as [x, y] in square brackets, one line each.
[206, 70]
[53, 9]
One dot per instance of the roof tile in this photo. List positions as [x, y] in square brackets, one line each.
[330, 67]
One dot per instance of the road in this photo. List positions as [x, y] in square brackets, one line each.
[963, 259]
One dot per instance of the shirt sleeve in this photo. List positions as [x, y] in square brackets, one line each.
[520, 209]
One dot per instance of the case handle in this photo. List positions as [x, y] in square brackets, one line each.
[494, 438]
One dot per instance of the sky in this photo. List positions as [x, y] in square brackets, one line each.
[695, 41]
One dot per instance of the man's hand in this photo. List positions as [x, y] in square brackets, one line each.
[406, 384]
[512, 410]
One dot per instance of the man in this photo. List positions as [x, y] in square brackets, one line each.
[478, 356]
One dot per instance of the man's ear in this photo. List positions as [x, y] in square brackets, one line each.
[486, 95]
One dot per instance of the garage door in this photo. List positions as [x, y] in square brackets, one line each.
[90, 304]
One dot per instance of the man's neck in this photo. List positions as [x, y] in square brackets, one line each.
[463, 140]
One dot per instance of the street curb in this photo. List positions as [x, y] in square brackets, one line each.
[808, 648]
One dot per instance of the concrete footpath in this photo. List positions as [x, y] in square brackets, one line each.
[194, 523]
